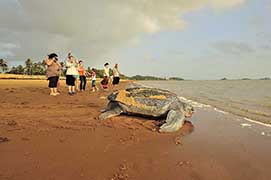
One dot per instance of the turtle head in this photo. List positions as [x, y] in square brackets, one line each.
[188, 110]
[113, 96]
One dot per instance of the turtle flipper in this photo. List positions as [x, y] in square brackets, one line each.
[174, 121]
[108, 113]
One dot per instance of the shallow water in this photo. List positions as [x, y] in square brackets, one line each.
[247, 98]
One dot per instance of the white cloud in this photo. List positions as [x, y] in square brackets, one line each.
[6, 49]
[91, 28]
[233, 48]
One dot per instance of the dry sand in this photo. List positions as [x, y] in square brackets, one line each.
[60, 138]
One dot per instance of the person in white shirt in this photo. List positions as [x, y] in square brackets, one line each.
[116, 75]
[71, 73]
[106, 75]
[106, 70]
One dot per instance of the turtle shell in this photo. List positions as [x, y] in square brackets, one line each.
[145, 101]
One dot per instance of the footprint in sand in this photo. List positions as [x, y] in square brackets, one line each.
[121, 174]
[4, 139]
[12, 123]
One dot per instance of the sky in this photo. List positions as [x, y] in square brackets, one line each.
[195, 39]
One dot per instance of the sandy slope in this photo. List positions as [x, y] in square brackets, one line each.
[60, 138]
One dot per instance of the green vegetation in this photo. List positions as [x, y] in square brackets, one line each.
[266, 78]
[141, 78]
[176, 79]
[30, 68]
[39, 68]
[245, 79]
[3, 65]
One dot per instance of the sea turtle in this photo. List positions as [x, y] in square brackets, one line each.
[149, 102]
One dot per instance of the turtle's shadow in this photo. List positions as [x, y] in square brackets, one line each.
[187, 128]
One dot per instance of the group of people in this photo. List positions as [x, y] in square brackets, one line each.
[75, 72]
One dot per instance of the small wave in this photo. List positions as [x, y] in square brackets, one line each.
[257, 122]
[245, 125]
[194, 103]
[218, 110]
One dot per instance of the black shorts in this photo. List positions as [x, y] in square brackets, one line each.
[53, 81]
[70, 80]
[116, 80]
[93, 83]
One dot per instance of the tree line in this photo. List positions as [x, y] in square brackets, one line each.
[29, 68]
[39, 68]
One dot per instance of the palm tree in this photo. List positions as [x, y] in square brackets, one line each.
[38, 68]
[28, 66]
[3, 65]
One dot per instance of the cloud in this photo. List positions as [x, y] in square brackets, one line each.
[233, 48]
[6, 49]
[93, 29]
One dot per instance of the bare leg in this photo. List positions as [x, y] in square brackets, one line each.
[52, 93]
[73, 89]
[70, 89]
[58, 86]
[77, 84]
[55, 90]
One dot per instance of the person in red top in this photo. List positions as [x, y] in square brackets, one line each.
[82, 72]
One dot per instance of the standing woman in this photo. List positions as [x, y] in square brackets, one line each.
[116, 75]
[71, 74]
[106, 75]
[53, 72]
[106, 69]
[82, 73]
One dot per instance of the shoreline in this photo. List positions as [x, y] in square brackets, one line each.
[254, 111]
[225, 112]
[61, 138]
[218, 109]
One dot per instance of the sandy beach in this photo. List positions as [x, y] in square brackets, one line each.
[60, 138]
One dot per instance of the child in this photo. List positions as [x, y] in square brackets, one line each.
[104, 83]
[93, 80]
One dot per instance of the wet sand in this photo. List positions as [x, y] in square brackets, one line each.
[44, 137]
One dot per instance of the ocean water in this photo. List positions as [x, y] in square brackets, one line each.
[248, 98]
